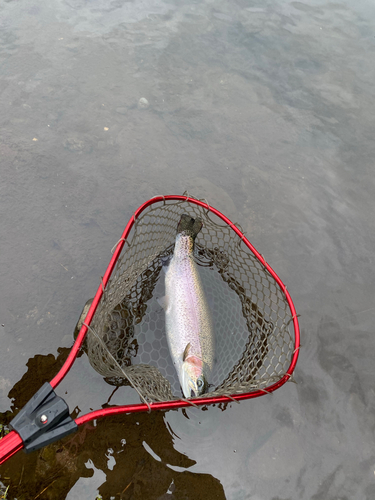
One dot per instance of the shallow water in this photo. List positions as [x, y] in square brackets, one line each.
[265, 109]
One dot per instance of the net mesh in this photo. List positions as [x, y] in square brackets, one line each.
[126, 342]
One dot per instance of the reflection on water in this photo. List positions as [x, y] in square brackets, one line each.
[131, 456]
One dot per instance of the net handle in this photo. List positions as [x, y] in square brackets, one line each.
[9, 445]
[12, 442]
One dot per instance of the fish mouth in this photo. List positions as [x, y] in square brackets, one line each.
[186, 384]
[190, 393]
[192, 386]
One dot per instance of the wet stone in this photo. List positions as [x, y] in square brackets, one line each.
[143, 103]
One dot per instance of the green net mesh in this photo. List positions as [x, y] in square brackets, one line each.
[127, 343]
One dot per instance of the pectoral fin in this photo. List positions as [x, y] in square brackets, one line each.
[186, 351]
[163, 302]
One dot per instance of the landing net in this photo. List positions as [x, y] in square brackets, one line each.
[126, 342]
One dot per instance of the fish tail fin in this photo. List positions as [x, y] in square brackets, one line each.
[189, 226]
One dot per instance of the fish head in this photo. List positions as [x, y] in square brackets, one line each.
[193, 379]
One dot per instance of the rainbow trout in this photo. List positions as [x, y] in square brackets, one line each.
[188, 319]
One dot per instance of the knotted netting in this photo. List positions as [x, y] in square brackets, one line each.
[126, 342]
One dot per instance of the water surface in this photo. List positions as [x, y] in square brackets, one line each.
[266, 110]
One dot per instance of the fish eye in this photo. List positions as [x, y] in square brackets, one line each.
[200, 383]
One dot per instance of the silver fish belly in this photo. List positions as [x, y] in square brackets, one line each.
[188, 320]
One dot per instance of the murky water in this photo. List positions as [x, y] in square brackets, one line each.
[264, 108]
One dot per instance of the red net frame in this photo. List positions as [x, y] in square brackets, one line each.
[12, 442]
